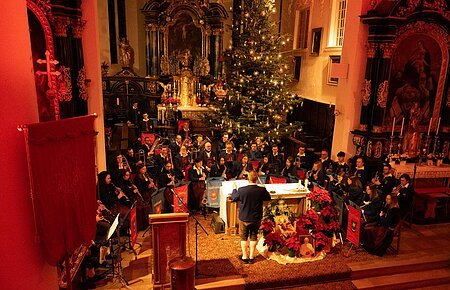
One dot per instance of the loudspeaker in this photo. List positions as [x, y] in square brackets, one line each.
[217, 224]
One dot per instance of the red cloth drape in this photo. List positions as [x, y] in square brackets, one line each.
[61, 157]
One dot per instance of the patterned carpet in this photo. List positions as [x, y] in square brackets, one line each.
[219, 254]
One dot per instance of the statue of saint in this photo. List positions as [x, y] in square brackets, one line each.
[126, 53]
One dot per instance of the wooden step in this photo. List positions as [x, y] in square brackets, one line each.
[222, 283]
[405, 280]
[419, 261]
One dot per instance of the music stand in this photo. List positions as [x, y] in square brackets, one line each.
[197, 224]
[128, 243]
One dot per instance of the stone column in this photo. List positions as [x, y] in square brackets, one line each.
[91, 51]
[22, 262]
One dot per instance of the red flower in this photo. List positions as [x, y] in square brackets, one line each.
[321, 239]
[273, 240]
[293, 243]
[267, 226]
[328, 211]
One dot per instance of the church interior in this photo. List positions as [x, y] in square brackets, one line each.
[225, 144]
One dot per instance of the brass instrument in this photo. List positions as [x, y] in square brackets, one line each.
[202, 145]
[396, 190]
[125, 164]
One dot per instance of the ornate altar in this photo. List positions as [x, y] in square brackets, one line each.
[184, 49]
[405, 95]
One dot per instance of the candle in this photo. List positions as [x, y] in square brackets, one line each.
[429, 127]
[117, 101]
[401, 130]
[393, 127]
[439, 124]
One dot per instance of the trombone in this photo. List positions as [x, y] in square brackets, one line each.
[125, 164]
[141, 156]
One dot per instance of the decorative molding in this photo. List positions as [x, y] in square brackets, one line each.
[61, 23]
[64, 84]
[44, 5]
[366, 92]
[302, 4]
[81, 82]
[387, 49]
[448, 98]
[363, 127]
[371, 48]
[78, 27]
[383, 90]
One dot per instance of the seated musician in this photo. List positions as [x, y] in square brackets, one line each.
[275, 161]
[125, 184]
[327, 164]
[405, 194]
[185, 131]
[132, 159]
[243, 168]
[230, 158]
[289, 170]
[304, 161]
[109, 195]
[361, 172]
[144, 183]
[316, 175]
[372, 207]
[198, 143]
[116, 165]
[355, 190]
[264, 166]
[175, 146]
[387, 182]
[162, 158]
[262, 146]
[341, 165]
[339, 184]
[207, 153]
[147, 145]
[181, 162]
[254, 154]
[146, 124]
[197, 177]
[219, 169]
[222, 143]
[377, 236]
[167, 177]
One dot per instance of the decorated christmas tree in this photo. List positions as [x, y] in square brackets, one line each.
[258, 99]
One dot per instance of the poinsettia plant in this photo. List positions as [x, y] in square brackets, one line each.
[274, 241]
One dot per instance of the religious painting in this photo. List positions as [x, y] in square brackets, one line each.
[415, 70]
[184, 34]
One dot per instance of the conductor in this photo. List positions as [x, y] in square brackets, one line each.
[251, 199]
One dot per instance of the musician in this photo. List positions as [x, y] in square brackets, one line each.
[275, 161]
[372, 207]
[264, 167]
[146, 123]
[254, 154]
[405, 193]
[134, 114]
[230, 160]
[207, 153]
[117, 165]
[289, 170]
[303, 161]
[316, 175]
[175, 146]
[339, 184]
[361, 172]
[377, 236]
[167, 176]
[132, 159]
[262, 146]
[341, 165]
[387, 182]
[219, 169]
[127, 187]
[162, 158]
[181, 162]
[251, 198]
[198, 143]
[108, 194]
[327, 163]
[147, 145]
[222, 143]
[197, 177]
[355, 189]
[144, 183]
[185, 131]
[243, 168]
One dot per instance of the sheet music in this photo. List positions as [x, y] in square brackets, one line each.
[113, 227]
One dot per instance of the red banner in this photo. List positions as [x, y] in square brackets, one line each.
[182, 192]
[133, 226]
[354, 225]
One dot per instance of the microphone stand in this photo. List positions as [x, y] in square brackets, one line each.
[197, 224]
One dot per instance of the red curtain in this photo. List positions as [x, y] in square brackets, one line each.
[61, 159]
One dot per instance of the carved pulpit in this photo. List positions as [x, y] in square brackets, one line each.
[168, 243]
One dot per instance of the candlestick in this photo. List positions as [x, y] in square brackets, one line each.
[439, 124]
[393, 127]
[429, 127]
[403, 123]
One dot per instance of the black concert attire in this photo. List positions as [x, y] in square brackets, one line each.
[107, 194]
[142, 183]
[387, 184]
[251, 198]
[289, 171]
[146, 125]
[134, 115]
[317, 176]
[205, 155]
[338, 188]
[276, 163]
[196, 187]
[254, 155]
[355, 194]
[305, 161]
[185, 133]
[127, 187]
[377, 236]
[217, 170]
[328, 165]
[240, 168]
[165, 177]
[143, 209]
[372, 209]
[341, 168]
[264, 168]
[405, 197]
[180, 165]
[146, 149]
[161, 161]
[175, 147]
[132, 161]
[230, 163]
[363, 175]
